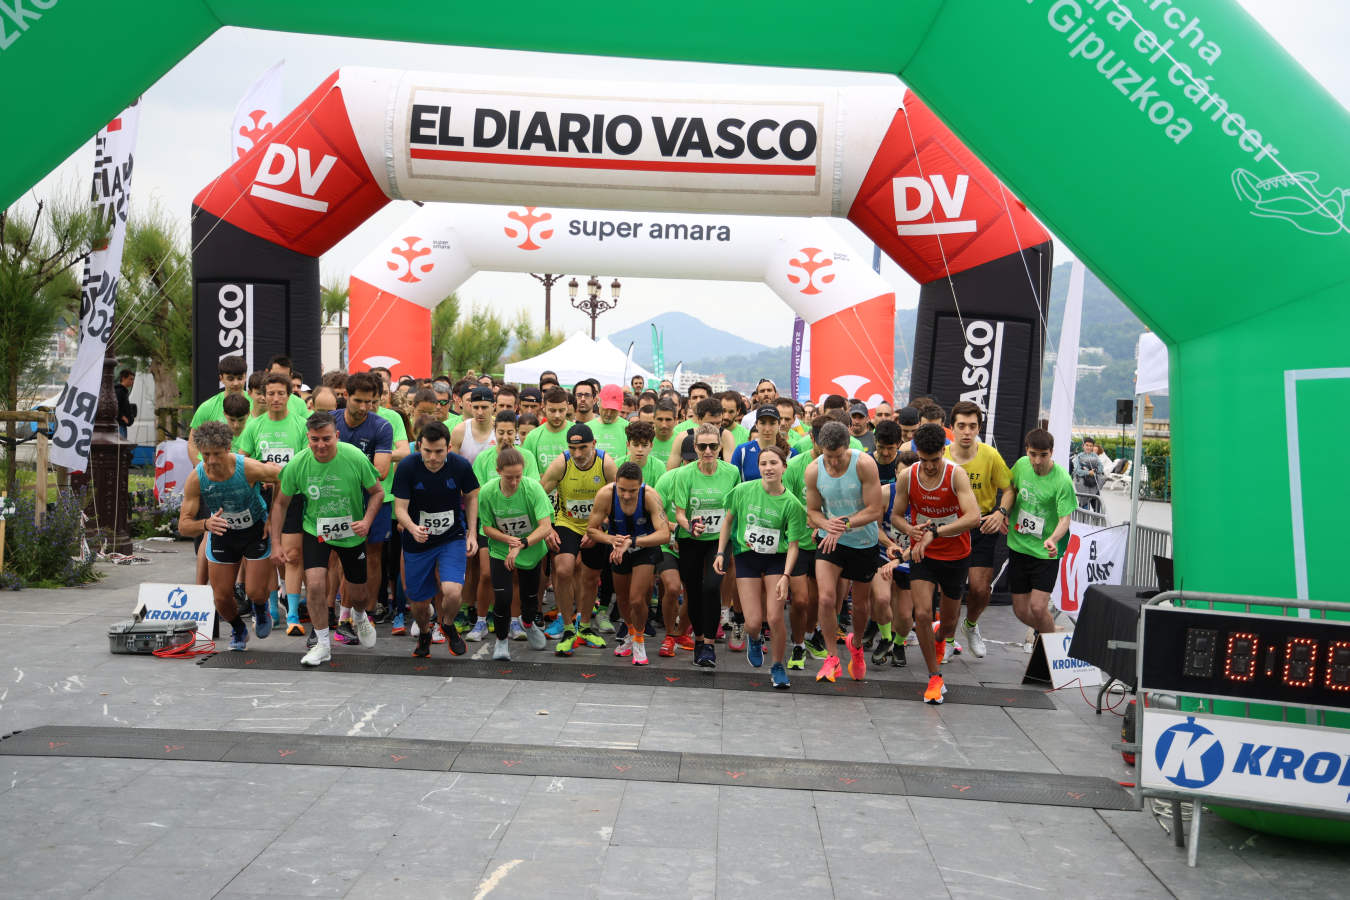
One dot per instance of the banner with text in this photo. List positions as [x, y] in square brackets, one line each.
[1095, 555]
[98, 292]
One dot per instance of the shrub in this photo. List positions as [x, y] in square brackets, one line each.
[50, 555]
[149, 518]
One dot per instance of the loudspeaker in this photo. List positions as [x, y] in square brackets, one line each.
[1124, 412]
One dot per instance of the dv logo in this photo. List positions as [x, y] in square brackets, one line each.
[914, 203]
[408, 259]
[812, 276]
[850, 385]
[251, 135]
[530, 229]
[177, 598]
[1189, 755]
[387, 362]
[280, 164]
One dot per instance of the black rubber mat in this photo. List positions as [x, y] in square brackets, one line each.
[599, 671]
[580, 762]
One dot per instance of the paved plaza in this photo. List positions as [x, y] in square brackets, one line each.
[164, 827]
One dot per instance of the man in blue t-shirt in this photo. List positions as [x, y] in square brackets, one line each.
[436, 501]
[361, 427]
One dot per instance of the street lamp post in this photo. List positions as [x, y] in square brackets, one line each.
[548, 281]
[593, 304]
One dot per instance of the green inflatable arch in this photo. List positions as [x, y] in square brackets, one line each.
[1181, 153]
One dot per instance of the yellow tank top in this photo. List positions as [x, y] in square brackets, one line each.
[576, 493]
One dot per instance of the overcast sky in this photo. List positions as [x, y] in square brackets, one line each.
[185, 122]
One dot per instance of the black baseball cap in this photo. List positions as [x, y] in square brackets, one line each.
[532, 393]
[481, 394]
[768, 412]
[858, 409]
[907, 416]
[580, 433]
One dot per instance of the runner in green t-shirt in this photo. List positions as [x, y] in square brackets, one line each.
[663, 421]
[517, 517]
[233, 373]
[668, 571]
[549, 441]
[805, 601]
[608, 427]
[1043, 493]
[638, 450]
[504, 432]
[764, 525]
[342, 498]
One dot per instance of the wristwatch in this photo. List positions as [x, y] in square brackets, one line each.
[845, 521]
[932, 526]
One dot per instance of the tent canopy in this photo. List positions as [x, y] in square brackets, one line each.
[576, 358]
[1150, 374]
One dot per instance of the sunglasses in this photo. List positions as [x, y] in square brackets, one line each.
[702, 447]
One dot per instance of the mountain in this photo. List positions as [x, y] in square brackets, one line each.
[684, 338]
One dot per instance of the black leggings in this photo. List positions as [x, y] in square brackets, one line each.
[502, 591]
[702, 586]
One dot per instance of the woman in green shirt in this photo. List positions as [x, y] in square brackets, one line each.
[764, 522]
[517, 517]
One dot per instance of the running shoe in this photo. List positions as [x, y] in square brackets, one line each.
[454, 642]
[588, 636]
[365, 631]
[667, 646]
[241, 601]
[650, 628]
[779, 676]
[640, 653]
[625, 647]
[736, 643]
[555, 628]
[798, 658]
[882, 653]
[898, 657]
[869, 634]
[423, 648]
[935, 690]
[974, 640]
[262, 620]
[346, 634]
[517, 631]
[317, 655]
[685, 642]
[601, 621]
[721, 633]
[534, 636]
[565, 646]
[726, 620]
[620, 631]
[705, 657]
[478, 631]
[295, 629]
[815, 645]
[399, 626]
[857, 663]
[756, 652]
[829, 670]
[311, 639]
[462, 623]
[438, 633]
[502, 650]
[239, 638]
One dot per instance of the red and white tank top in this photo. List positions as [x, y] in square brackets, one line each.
[939, 505]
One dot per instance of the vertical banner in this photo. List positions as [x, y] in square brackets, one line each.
[1066, 367]
[113, 162]
[1095, 555]
[257, 113]
[658, 354]
[803, 385]
[628, 365]
[795, 359]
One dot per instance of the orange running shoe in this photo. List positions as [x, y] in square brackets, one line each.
[685, 642]
[935, 690]
[829, 669]
[857, 663]
[667, 646]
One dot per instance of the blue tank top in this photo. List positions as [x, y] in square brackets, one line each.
[242, 502]
[635, 524]
[842, 496]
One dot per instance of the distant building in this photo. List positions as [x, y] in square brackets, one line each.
[718, 381]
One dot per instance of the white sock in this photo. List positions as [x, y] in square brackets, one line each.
[324, 635]
[344, 613]
[359, 615]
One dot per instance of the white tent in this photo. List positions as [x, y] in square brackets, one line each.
[576, 358]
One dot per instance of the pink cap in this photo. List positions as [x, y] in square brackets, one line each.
[611, 397]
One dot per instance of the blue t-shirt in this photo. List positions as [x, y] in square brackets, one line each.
[373, 435]
[435, 499]
[746, 458]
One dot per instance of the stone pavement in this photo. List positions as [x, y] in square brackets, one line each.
[75, 827]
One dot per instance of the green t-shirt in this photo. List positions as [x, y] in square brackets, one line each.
[661, 449]
[517, 515]
[335, 492]
[296, 407]
[665, 486]
[400, 434]
[705, 496]
[801, 443]
[545, 446]
[1039, 502]
[266, 439]
[763, 522]
[794, 479]
[682, 427]
[740, 434]
[485, 466]
[652, 471]
[211, 410]
[452, 420]
[611, 438]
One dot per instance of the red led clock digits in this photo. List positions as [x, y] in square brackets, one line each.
[1239, 663]
[1338, 666]
[1300, 658]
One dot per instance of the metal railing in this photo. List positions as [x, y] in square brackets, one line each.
[1148, 543]
[1090, 511]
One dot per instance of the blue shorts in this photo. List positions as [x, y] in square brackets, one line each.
[424, 572]
[383, 526]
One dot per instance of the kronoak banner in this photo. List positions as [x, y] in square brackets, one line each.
[872, 154]
[805, 262]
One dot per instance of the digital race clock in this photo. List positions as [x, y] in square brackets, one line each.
[1247, 656]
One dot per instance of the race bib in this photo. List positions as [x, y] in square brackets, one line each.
[762, 540]
[239, 520]
[944, 520]
[334, 528]
[278, 455]
[1029, 524]
[712, 519]
[515, 526]
[437, 522]
[580, 509]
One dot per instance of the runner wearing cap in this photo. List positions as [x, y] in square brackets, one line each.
[577, 475]
[609, 430]
[549, 441]
[907, 417]
[472, 435]
[746, 456]
[860, 427]
[517, 518]
[531, 398]
[628, 518]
